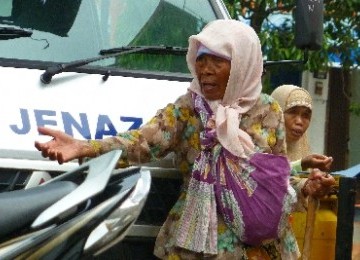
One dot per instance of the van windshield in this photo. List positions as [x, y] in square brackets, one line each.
[68, 30]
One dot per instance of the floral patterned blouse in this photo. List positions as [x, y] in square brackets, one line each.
[176, 128]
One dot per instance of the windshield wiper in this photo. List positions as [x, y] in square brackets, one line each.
[110, 53]
[157, 50]
[8, 32]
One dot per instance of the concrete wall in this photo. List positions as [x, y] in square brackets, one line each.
[317, 85]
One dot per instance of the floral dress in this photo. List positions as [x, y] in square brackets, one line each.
[176, 129]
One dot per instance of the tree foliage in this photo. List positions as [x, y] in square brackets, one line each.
[341, 30]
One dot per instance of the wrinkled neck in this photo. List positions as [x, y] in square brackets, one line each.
[296, 150]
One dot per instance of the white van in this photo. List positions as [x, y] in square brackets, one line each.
[90, 68]
[93, 68]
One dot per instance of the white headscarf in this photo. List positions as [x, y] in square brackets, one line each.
[289, 96]
[234, 39]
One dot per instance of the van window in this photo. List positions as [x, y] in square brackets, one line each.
[69, 30]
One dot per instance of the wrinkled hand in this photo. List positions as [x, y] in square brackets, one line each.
[318, 184]
[62, 147]
[318, 161]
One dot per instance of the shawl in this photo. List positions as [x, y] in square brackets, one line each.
[289, 96]
[249, 190]
[252, 194]
[239, 42]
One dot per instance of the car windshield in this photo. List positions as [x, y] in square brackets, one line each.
[68, 30]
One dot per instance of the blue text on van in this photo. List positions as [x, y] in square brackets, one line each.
[104, 126]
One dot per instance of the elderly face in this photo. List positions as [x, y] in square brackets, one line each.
[213, 74]
[297, 120]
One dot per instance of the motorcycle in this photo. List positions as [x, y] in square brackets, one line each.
[76, 215]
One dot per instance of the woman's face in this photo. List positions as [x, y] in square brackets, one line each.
[213, 74]
[297, 120]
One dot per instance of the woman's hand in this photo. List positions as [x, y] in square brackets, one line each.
[318, 184]
[318, 161]
[62, 147]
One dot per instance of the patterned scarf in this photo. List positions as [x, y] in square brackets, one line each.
[253, 196]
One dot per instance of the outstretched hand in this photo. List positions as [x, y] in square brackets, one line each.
[62, 147]
[318, 184]
[321, 162]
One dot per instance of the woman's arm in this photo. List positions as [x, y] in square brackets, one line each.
[150, 142]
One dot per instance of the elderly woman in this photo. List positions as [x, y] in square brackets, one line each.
[228, 139]
[296, 103]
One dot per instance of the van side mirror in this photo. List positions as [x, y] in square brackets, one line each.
[309, 30]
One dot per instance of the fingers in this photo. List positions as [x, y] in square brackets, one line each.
[53, 155]
[51, 149]
[328, 181]
[47, 152]
[47, 131]
[39, 146]
[329, 159]
[56, 156]
[320, 161]
[43, 148]
[60, 158]
[319, 156]
[320, 183]
[315, 189]
[315, 174]
[323, 163]
[329, 163]
[44, 131]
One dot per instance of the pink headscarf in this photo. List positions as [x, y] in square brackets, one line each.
[234, 39]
